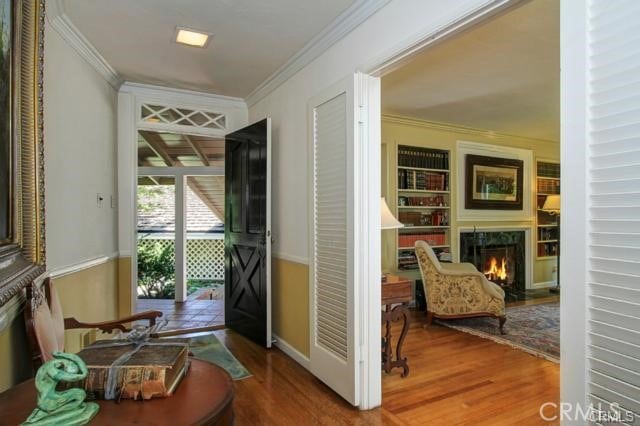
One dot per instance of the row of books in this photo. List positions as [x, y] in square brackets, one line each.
[407, 260]
[435, 201]
[547, 234]
[423, 181]
[434, 218]
[551, 170]
[422, 158]
[547, 249]
[548, 186]
[432, 238]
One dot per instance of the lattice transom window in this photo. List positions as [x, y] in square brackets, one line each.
[183, 117]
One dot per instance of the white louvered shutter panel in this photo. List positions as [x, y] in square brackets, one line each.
[332, 353]
[614, 309]
[331, 268]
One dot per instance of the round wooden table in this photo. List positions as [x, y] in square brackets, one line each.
[204, 397]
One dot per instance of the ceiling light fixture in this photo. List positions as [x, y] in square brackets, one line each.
[192, 37]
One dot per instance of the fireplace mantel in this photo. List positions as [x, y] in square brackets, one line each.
[528, 277]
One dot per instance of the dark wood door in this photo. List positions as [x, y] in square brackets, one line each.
[247, 232]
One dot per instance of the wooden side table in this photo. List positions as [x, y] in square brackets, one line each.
[204, 397]
[395, 291]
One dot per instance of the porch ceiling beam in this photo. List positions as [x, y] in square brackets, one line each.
[182, 150]
[158, 146]
[197, 149]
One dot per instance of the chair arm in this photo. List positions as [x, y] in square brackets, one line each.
[109, 326]
[493, 289]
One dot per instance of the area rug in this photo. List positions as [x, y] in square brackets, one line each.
[207, 347]
[531, 328]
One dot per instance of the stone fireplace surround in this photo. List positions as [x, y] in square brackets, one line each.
[518, 237]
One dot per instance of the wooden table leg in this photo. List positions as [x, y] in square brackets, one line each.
[388, 316]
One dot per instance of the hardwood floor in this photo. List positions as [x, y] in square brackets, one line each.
[455, 379]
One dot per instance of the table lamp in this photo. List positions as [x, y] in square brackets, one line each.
[552, 206]
[387, 221]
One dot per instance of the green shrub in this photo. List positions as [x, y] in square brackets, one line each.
[156, 271]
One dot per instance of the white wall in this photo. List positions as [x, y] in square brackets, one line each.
[80, 156]
[398, 21]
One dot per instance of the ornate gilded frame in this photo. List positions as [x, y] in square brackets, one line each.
[23, 259]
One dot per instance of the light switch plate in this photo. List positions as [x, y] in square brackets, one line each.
[99, 200]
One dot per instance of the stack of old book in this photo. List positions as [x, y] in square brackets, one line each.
[120, 369]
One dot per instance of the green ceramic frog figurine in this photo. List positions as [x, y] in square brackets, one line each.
[66, 407]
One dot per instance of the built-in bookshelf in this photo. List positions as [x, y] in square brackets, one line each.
[424, 203]
[547, 230]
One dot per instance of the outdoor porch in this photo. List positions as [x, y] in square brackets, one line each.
[191, 314]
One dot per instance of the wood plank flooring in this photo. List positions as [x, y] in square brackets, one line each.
[455, 379]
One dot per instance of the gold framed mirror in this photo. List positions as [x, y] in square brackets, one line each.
[22, 236]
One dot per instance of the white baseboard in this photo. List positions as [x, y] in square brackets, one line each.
[292, 352]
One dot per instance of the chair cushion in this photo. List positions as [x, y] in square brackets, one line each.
[56, 315]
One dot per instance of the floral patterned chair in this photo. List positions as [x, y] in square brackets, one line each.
[457, 290]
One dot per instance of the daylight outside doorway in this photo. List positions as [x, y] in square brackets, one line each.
[180, 229]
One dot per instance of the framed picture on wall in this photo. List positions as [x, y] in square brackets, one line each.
[493, 183]
[22, 228]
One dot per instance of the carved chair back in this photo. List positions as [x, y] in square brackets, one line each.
[44, 321]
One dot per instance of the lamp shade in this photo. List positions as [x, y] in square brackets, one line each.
[552, 203]
[388, 220]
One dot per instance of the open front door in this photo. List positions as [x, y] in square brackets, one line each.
[333, 287]
[248, 232]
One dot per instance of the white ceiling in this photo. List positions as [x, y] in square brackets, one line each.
[252, 39]
[503, 76]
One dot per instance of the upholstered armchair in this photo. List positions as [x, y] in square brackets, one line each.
[457, 290]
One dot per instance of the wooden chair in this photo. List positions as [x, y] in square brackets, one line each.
[46, 324]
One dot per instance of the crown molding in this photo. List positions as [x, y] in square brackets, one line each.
[152, 91]
[71, 34]
[447, 127]
[346, 22]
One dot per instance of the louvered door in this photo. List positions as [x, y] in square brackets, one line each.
[333, 351]
[614, 324]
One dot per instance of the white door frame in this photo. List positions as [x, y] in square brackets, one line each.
[131, 98]
[371, 390]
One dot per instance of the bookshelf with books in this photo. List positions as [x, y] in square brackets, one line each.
[547, 183]
[423, 203]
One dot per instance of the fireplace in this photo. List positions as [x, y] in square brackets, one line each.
[499, 255]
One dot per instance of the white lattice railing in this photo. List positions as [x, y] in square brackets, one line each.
[205, 257]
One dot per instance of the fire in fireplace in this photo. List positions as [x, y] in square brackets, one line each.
[499, 255]
[499, 263]
[495, 272]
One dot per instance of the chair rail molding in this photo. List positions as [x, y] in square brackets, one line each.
[81, 266]
[346, 22]
[59, 21]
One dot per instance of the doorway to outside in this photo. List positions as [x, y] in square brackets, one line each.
[180, 229]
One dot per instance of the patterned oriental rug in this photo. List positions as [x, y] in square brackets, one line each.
[531, 328]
